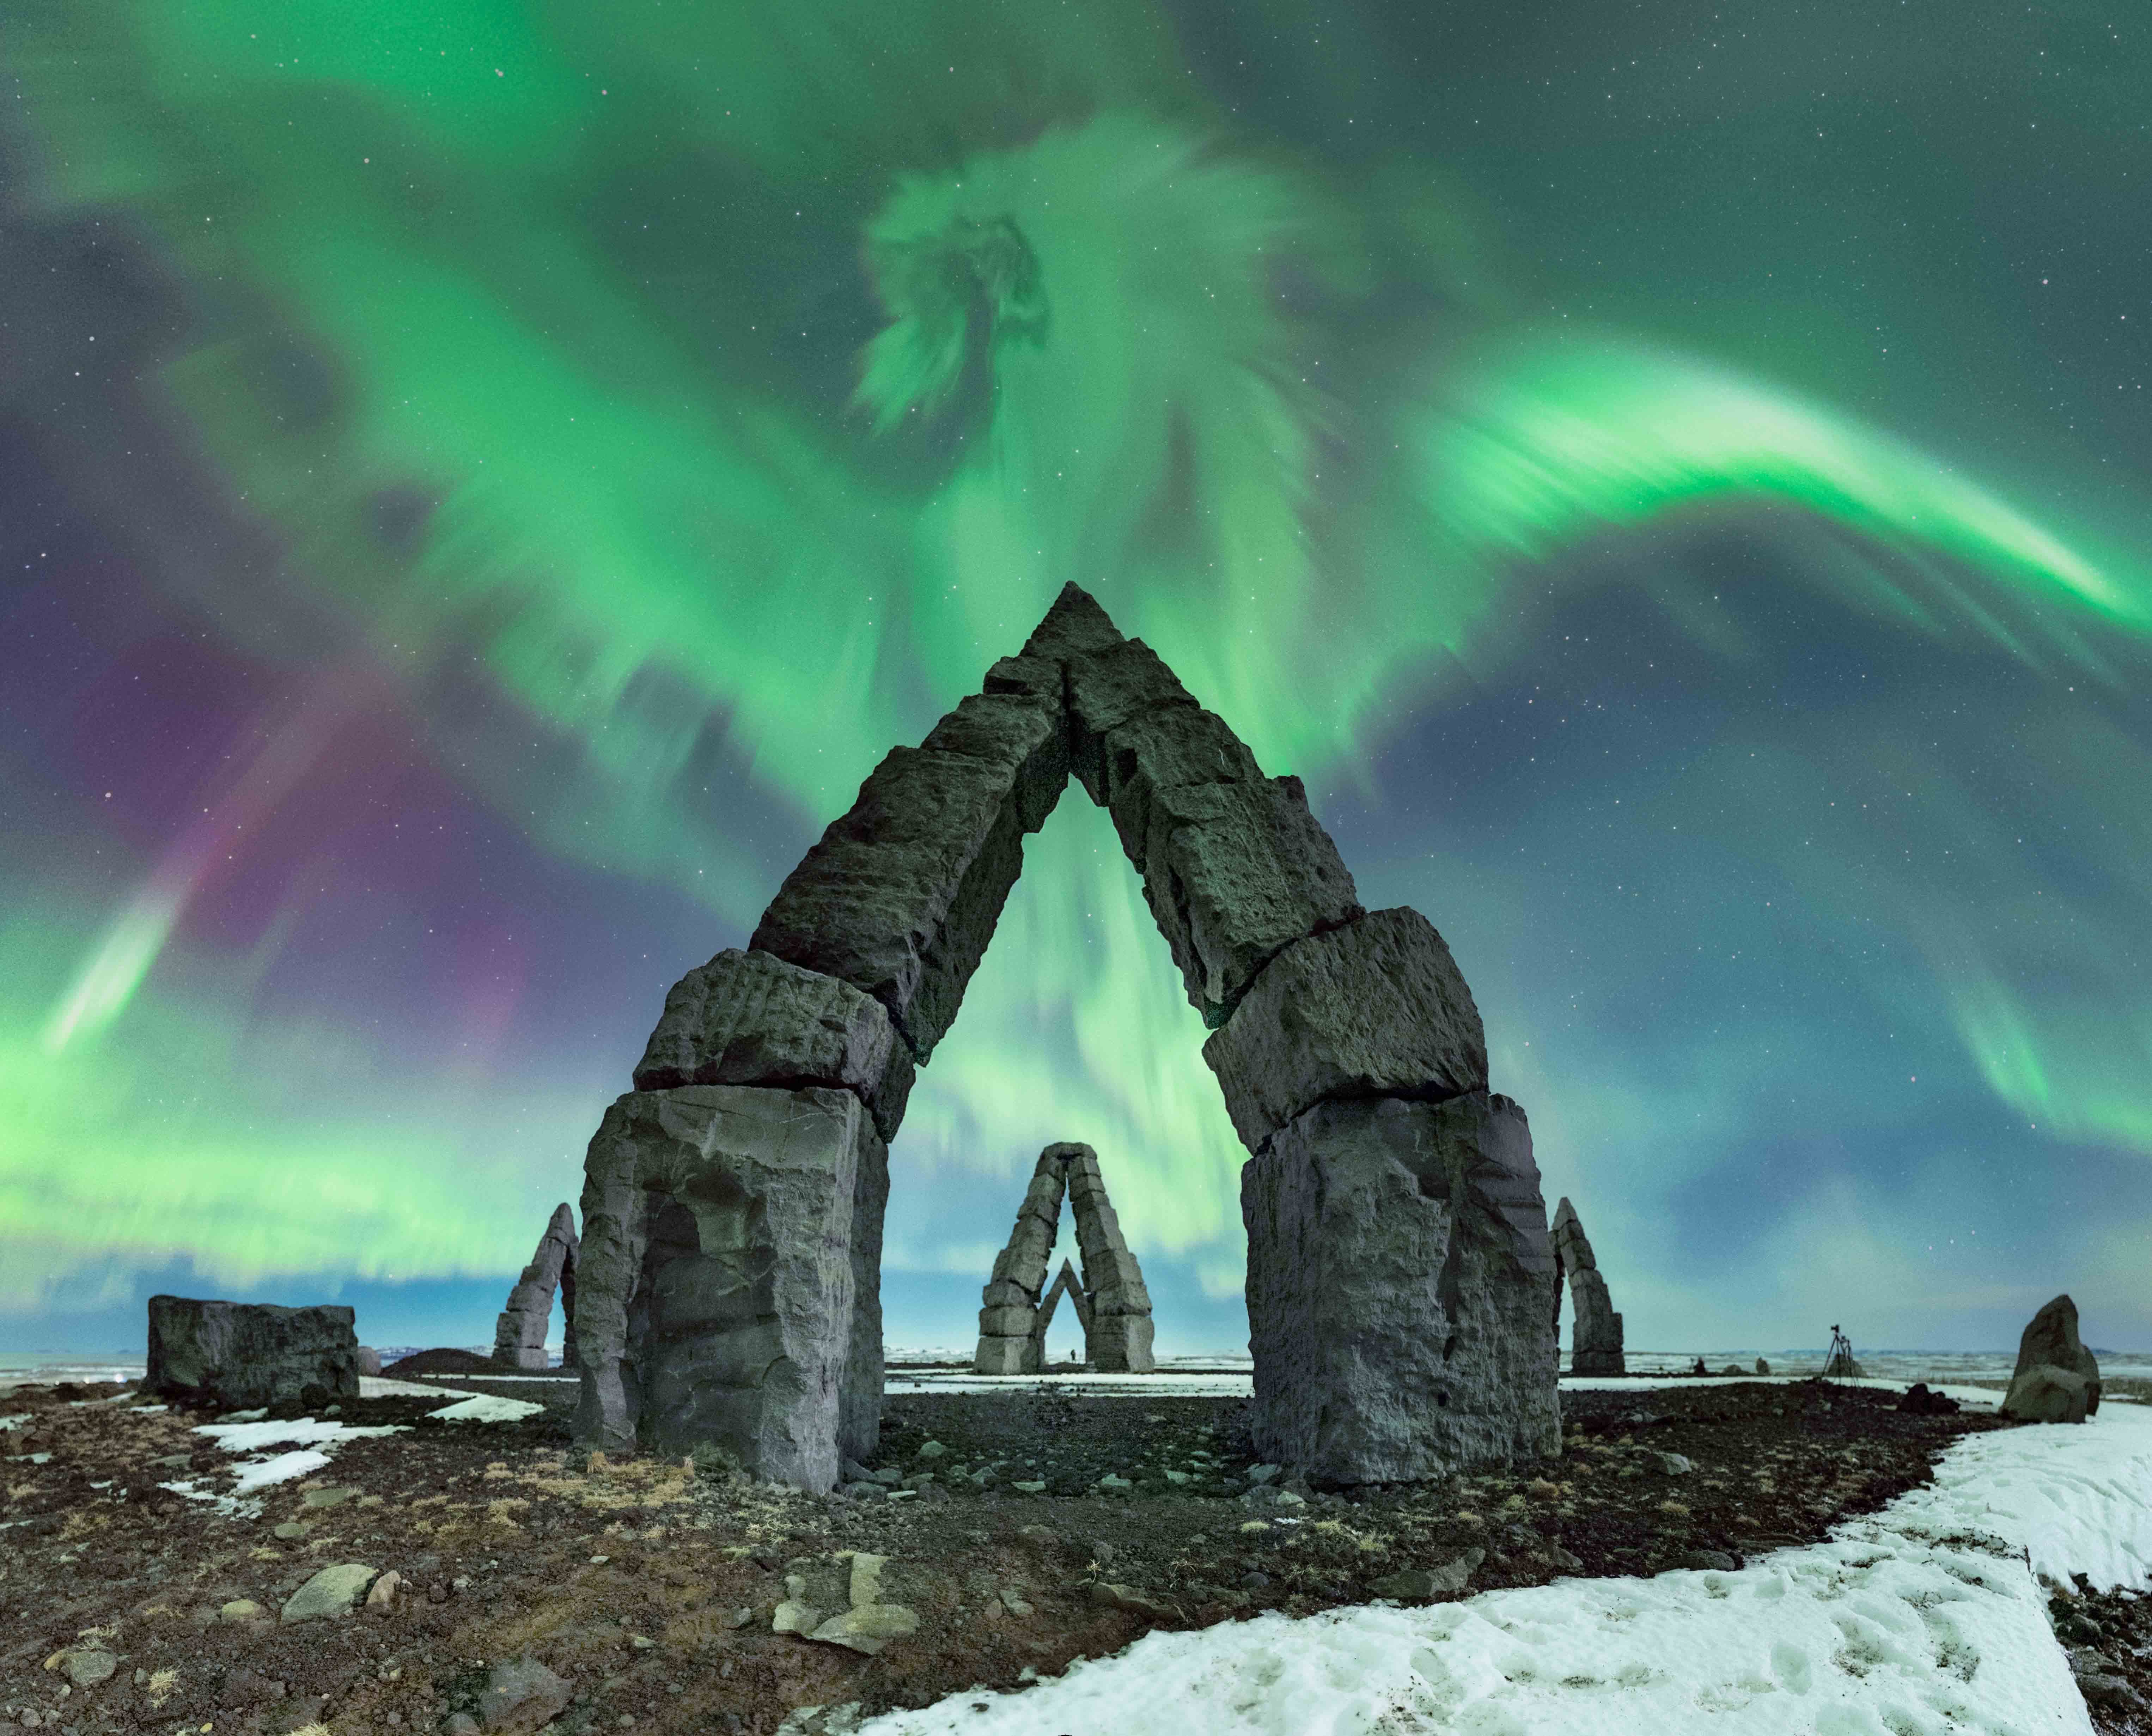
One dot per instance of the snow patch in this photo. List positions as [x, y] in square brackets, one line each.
[283, 1468]
[298, 1431]
[485, 1407]
[1928, 1616]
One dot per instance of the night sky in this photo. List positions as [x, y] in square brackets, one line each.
[481, 483]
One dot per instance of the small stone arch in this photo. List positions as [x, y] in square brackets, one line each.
[519, 1334]
[1112, 1301]
[1594, 1340]
[1398, 1267]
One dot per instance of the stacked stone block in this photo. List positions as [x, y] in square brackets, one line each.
[1114, 1305]
[1008, 1307]
[719, 1318]
[733, 1204]
[1594, 1339]
[519, 1335]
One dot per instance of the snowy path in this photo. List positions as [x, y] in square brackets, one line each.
[1923, 1619]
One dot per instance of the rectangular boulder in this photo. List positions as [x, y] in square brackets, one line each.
[1024, 1260]
[1107, 689]
[1006, 1355]
[1234, 873]
[1021, 736]
[753, 1018]
[1120, 1343]
[1399, 1293]
[246, 1355]
[900, 895]
[719, 1311]
[1375, 1009]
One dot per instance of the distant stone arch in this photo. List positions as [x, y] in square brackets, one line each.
[1111, 1302]
[1346, 1044]
[519, 1334]
[1595, 1331]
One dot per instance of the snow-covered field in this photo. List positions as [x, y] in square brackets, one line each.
[1926, 1618]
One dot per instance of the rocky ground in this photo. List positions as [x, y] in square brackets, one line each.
[2109, 1639]
[999, 1536]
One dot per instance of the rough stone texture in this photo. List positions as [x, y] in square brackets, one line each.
[2050, 1339]
[243, 1355]
[1007, 1356]
[1163, 749]
[1012, 1322]
[720, 1229]
[751, 1018]
[520, 1693]
[332, 1591]
[1400, 1292]
[369, 1360]
[2044, 1393]
[519, 1335]
[901, 896]
[1595, 1343]
[1375, 1009]
[858, 1400]
[1234, 873]
[1444, 1580]
[1074, 626]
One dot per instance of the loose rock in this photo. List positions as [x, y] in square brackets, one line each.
[1418, 1584]
[521, 1694]
[332, 1592]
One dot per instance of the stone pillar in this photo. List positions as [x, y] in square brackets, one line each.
[1008, 1310]
[1065, 1283]
[1366, 1371]
[1595, 1342]
[1117, 1330]
[519, 1335]
[721, 1227]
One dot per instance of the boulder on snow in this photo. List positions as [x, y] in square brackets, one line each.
[2050, 1339]
[2046, 1394]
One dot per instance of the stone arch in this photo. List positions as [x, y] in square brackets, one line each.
[1111, 1300]
[1345, 1042]
[519, 1334]
[1595, 1342]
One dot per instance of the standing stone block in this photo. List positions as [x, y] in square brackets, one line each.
[901, 894]
[2050, 1340]
[1400, 1292]
[1234, 873]
[720, 1227]
[519, 1334]
[858, 1400]
[1376, 1008]
[244, 1355]
[1120, 1344]
[1008, 1356]
[751, 1018]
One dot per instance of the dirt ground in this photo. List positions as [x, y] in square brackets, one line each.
[653, 1593]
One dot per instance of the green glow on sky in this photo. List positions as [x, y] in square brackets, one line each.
[406, 224]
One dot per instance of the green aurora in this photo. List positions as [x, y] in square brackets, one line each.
[653, 365]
